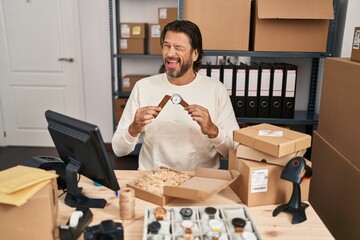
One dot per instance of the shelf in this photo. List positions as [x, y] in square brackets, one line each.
[300, 118]
[238, 53]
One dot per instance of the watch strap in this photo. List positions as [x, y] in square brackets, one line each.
[163, 102]
[183, 103]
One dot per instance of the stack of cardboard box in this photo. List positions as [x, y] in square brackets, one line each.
[165, 15]
[260, 158]
[133, 38]
[335, 190]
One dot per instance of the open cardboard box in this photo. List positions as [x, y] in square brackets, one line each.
[248, 153]
[273, 140]
[203, 183]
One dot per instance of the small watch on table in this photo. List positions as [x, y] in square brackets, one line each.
[154, 227]
[186, 213]
[187, 226]
[210, 211]
[239, 224]
[160, 213]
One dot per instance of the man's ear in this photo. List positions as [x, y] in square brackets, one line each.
[195, 55]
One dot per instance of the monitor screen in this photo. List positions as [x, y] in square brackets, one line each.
[81, 147]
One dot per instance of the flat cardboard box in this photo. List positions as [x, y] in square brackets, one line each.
[196, 188]
[132, 46]
[154, 39]
[206, 182]
[133, 30]
[36, 219]
[128, 81]
[167, 15]
[248, 153]
[260, 183]
[291, 26]
[224, 25]
[334, 190]
[119, 106]
[340, 112]
[273, 140]
[355, 53]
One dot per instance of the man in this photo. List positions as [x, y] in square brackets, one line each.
[181, 136]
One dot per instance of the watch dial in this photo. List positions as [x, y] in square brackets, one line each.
[176, 99]
[186, 212]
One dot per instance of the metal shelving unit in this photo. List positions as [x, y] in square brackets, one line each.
[307, 118]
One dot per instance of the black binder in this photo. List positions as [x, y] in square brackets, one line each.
[290, 76]
[239, 99]
[276, 92]
[251, 90]
[264, 90]
[228, 80]
[216, 72]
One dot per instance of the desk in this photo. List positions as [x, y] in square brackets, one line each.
[269, 227]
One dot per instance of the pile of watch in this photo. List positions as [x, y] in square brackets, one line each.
[199, 223]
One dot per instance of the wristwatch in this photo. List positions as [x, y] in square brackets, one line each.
[160, 213]
[215, 225]
[187, 225]
[210, 211]
[239, 224]
[177, 99]
[186, 213]
[154, 227]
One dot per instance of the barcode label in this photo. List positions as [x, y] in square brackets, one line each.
[259, 180]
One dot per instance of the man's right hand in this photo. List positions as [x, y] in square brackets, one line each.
[143, 116]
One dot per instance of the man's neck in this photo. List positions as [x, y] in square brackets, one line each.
[183, 80]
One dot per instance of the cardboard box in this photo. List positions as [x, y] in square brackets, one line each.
[128, 81]
[224, 25]
[119, 106]
[154, 39]
[339, 109]
[132, 46]
[334, 190]
[248, 153]
[133, 30]
[196, 188]
[355, 53]
[36, 219]
[260, 183]
[273, 140]
[295, 26]
[167, 15]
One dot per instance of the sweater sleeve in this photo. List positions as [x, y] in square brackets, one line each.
[226, 123]
[122, 142]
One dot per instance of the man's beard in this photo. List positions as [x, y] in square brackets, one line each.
[173, 73]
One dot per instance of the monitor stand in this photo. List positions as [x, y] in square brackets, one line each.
[74, 197]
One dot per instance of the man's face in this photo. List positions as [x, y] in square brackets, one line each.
[178, 56]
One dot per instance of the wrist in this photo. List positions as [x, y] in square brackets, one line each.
[133, 131]
[213, 133]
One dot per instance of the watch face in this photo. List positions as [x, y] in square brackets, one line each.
[238, 222]
[176, 99]
[154, 227]
[187, 224]
[186, 212]
[210, 210]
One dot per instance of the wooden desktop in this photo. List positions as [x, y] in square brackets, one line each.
[269, 227]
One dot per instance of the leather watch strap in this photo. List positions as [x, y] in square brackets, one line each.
[183, 103]
[163, 102]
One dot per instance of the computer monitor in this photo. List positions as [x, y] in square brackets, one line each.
[81, 147]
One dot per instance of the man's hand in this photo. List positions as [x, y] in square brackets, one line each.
[143, 116]
[202, 117]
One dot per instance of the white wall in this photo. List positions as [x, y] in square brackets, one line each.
[94, 22]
